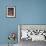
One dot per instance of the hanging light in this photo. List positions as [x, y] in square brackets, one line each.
[12, 36]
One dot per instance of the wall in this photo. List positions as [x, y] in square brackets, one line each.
[27, 12]
[31, 11]
[7, 25]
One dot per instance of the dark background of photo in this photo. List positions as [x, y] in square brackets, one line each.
[11, 11]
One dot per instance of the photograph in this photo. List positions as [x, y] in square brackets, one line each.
[11, 12]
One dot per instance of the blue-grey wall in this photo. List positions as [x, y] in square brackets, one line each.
[27, 12]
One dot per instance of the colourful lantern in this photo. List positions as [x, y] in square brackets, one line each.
[12, 36]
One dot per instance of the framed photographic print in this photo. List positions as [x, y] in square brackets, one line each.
[11, 12]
